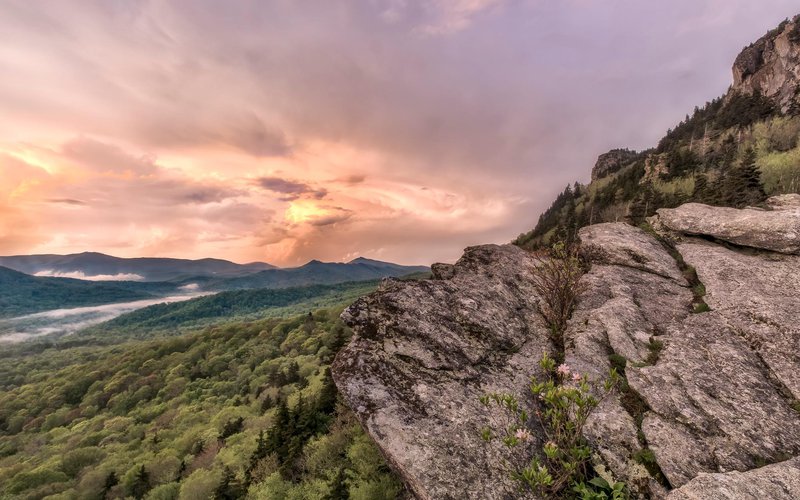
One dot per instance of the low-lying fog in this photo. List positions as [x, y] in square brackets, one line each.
[60, 322]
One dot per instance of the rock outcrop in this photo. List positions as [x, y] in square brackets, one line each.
[771, 66]
[608, 163]
[710, 397]
[771, 481]
[423, 354]
[750, 227]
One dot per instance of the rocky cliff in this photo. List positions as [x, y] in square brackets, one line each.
[613, 161]
[771, 66]
[711, 363]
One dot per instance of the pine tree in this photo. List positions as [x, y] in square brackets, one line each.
[338, 486]
[281, 429]
[141, 484]
[326, 401]
[293, 373]
[751, 179]
[111, 481]
[228, 488]
[181, 471]
[259, 454]
[742, 186]
[643, 205]
[339, 338]
[700, 193]
[266, 403]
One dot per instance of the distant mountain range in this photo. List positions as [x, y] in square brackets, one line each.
[114, 280]
[97, 266]
[315, 273]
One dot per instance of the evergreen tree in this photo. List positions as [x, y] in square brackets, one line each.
[111, 481]
[293, 373]
[141, 483]
[278, 434]
[700, 193]
[266, 403]
[181, 471]
[228, 488]
[260, 453]
[326, 402]
[742, 186]
[643, 205]
[339, 338]
[231, 427]
[338, 486]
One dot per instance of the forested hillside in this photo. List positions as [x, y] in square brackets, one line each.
[179, 317]
[247, 408]
[23, 294]
[733, 151]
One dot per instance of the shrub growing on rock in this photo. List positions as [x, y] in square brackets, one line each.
[566, 400]
[557, 281]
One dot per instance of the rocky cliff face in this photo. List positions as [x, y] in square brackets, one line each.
[772, 66]
[713, 396]
[608, 163]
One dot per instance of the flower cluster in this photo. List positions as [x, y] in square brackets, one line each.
[566, 399]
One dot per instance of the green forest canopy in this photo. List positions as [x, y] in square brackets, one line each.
[244, 408]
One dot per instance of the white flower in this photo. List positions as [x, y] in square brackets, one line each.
[576, 377]
[563, 370]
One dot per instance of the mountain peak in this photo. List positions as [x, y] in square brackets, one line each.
[364, 260]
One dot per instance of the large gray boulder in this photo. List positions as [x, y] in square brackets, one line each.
[750, 227]
[779, 481]
[712, 397]
[425, 351]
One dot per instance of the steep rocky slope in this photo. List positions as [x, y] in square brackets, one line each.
[712, 396]
[735, 150]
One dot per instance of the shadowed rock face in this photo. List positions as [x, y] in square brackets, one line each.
[713, 396]
[772, 66]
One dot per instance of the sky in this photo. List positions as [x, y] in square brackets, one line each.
[285, 131]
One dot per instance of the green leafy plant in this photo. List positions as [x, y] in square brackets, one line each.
[566, 400]
[599, 489]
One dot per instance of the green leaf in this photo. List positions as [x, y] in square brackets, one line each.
[600, 483]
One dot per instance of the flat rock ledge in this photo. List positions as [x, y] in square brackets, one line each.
[711, 397]
[750, 227]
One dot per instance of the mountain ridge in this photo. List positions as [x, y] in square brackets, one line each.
[736, 150]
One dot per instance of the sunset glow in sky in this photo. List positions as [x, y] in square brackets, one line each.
[284, 131]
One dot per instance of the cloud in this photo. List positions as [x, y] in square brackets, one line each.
[329, 220]
[197, 128]
[253, 137]
[452, 16]
[293, 190]
[66, 201]
[79, 275]
[107, 158]
[352, 179]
